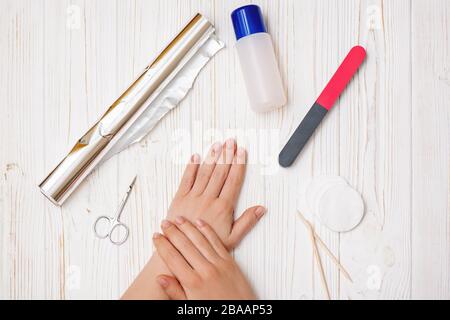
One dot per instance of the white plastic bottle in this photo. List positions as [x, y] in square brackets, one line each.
[257, 58]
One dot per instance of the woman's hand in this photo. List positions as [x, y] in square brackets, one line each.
[210, 191]
[202, 265]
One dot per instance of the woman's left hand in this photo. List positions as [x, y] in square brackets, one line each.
[202, 265]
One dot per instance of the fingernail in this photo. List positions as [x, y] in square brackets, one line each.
[200, 223]
[195, 158]
[217, 147]
[241, 155]
[163, 282]
[156, 235]
[165, 224]
[180, 220]
[259, 212]
[230, 143]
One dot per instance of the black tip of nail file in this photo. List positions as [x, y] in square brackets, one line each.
[301, 135]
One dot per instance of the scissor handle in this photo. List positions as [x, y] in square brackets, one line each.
[112, 225]
[123, 238]
[108, 232]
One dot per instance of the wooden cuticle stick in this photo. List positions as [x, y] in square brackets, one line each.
[316, 239]
[317, 256]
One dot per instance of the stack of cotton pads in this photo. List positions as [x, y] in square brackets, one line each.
[337, 205]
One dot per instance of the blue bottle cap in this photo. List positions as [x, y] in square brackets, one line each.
[247, 20]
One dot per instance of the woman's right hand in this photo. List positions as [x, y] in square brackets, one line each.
[202, 266]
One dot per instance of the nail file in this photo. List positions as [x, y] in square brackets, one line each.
[323, 104]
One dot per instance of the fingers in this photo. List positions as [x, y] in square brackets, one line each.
[189, 175]
[232, 187]
[213, 238]
[172, 287]
[243, 225]
[221, 169]
[197, 238]
[184, 245]
[172, 258]
[206, 169]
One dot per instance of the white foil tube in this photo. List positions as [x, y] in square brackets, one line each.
[157, 90]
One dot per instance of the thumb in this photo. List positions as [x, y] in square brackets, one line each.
[244, 224]
[171, 287]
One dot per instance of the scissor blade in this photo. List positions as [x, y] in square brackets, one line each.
[133, 182]
[125, 199]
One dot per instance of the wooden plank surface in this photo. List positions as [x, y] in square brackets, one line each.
[64, 62]
[430, 150]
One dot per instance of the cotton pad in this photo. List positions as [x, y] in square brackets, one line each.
[340, 208]
[318, 186]
[337, 205]
[325, 185]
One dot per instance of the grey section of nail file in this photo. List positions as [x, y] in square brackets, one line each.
[301, 135]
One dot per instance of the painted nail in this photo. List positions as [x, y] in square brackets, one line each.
[163, 282]
[180, 220]
[165, 224]
[259, 212]
[200, 223]
[156, 235]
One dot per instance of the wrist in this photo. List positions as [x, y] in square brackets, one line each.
[145, 285]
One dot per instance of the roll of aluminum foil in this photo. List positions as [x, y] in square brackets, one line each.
[159, 88]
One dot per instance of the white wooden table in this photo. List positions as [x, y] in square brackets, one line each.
[63, 62]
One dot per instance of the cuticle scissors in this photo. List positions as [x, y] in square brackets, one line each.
[114, 222]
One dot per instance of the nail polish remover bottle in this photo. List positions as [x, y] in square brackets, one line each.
[258, 62]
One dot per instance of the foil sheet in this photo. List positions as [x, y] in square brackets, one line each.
[158, 89]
